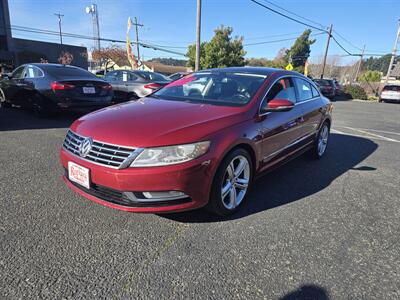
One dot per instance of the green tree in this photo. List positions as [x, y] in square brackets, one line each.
[371, 76]
[191, 54]
[380, 64]
[221, 51]
[300, 51]
[257, 62]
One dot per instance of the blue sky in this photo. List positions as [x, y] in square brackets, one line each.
[172, 22]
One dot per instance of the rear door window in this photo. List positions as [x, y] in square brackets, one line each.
[18, 72]
[111, 76]
[33, 72]
[303, 90]
[132, 77]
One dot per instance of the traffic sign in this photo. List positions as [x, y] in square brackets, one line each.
[289, 67]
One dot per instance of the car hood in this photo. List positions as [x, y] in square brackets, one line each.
[151, 122]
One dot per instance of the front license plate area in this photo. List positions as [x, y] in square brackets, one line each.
[79, 174]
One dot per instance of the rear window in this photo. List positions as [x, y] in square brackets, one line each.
[322, 82]
[151, 76]
[60, 71]
[395, 88]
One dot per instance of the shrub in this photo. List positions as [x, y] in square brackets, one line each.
[355, 92]
[373, 98]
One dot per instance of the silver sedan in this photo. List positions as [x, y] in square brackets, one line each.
[133, 84]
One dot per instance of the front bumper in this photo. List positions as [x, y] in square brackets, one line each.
[110, 186]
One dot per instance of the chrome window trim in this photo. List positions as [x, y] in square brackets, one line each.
[296, 103]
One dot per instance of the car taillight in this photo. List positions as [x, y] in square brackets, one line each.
[57, 86]
[107, 87]
[152, 86]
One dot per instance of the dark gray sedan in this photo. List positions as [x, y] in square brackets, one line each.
[131, 85]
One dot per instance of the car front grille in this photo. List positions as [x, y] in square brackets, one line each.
[100, 153]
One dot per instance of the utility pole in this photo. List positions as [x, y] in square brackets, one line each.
[393, 54]
[359, 64]
[198, 31]
[59, 15]
[326, 50]
[137, 38]
[92, 9]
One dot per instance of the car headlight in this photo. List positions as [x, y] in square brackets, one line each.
[170, 155]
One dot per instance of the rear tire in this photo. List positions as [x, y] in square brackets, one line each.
[231, 183]
[3, 101]
[40, 107]
[321, 142]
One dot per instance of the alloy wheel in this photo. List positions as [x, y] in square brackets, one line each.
[323, 140]
[2, 96]
[235, 182]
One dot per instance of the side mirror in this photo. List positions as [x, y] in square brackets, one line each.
[278, 105]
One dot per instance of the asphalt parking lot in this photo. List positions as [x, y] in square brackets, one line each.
[327, 229]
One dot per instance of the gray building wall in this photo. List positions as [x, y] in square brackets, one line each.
[29, 51]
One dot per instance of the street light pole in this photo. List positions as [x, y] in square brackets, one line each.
[326, 51]
[198, 31]
[393, 54]
[59, 25]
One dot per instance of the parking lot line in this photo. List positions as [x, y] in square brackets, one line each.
[366, 134]
[372, 134]
[382, 131]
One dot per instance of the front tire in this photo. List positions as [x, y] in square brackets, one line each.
[321, 142]
[231, 183]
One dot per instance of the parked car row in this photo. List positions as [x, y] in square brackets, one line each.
[330, 88]
[199, 140]
[48, 88]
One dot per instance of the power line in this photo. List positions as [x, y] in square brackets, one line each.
[305, 24]
[78, 36]
[276, 41]
[344, 49]
[288, 17]
[347, 41]
[271, 36]
[290, 12]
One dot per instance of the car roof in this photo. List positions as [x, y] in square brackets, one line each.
[44, 66]
[253, 70]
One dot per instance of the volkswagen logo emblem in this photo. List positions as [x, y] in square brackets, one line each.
[85, 147]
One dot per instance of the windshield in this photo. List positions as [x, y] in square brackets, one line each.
[224, 88]
[322, 82]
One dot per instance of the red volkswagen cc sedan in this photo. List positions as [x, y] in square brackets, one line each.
[199, 141]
